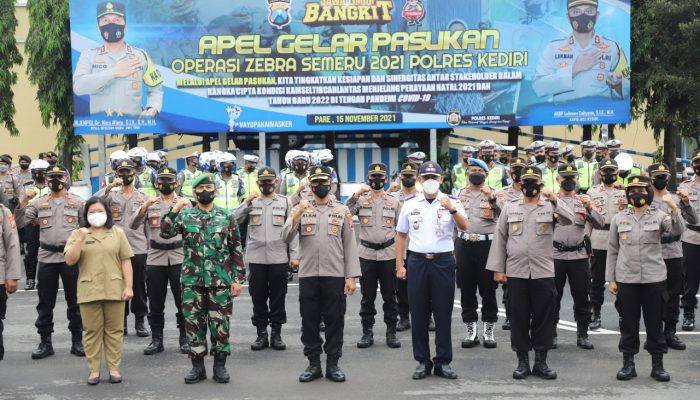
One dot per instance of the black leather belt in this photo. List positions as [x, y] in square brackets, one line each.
[475, 237]
[669, 239]
[562, 247]
[695, 228]
[166, 246]
[52, 248]
[377, 246]
[605, 228]
[431, 256]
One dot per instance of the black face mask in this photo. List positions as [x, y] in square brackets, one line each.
[584, 23]
[487, 158]
[540, 158]
[250, 169]
[153, 165]
[55, 185]
[267, 188]
[408, 182]
[377, 183]
[300, 168]
[638, 200]
[24, 166]
[589, 154]
[321, 190]
[614, 154]
[609, 179]
[570, 159]
[466, 160]
[205, 196]
[503, 160]
[554, 159]
[226, 170]
[599, 157]
[166, 188]
[127, 179]
[112, 33]
[51, 162]
[568, 185]
[39, 176]
[477, 179]
[660, 183]
[624, 174]
[531, 189]
[515, 174]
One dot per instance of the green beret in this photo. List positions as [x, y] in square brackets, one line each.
[204, 179]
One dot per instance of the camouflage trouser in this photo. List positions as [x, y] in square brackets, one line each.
[202, 306]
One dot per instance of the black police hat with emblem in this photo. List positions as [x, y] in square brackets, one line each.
[111, 7]
[56, 170]
[518, 162]
[409, 168]
[430, 168]
[167, 172]
[126, 164]
[658, 169]
[377, 169]
[567, 170]
[319, 174]
[639, 181]
[531, 173]
[608, 164]
[267, 174]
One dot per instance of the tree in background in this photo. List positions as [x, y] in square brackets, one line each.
[665, 79]
[49, 68]
[9, 57]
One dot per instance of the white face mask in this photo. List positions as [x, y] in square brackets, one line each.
[97, 220]
[431, 186]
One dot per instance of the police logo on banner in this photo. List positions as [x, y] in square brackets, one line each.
[279, 13]
[414, 12]
[454, 117]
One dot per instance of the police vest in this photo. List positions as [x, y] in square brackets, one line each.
[292, 182]
[459, 176]
[227, 193]
[586, 172]
[147, 184]
[636, 170]
[549, 178]
[250, 181]
[186, 190]
[495, 178]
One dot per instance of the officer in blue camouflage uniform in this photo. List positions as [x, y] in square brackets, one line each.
[212, 273]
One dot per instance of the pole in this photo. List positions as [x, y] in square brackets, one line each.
[87, 170]
[261, 148]
[223, 141]
[433, 145]
[101, 157]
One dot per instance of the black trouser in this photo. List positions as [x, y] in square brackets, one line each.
[579, 285]
[402, 294]
[322, 296]
[268, 282]
[504, 286]
[158, 277]
[431, 289]
[48, 289]
[691, 269]
[378, 273]
[674, 286]
[635, 300]
[531, 309]
[31, 237]
[139, 307]
[472, 274]
[598, 276]
[3, 310]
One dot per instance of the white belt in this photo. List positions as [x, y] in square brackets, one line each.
[474, 237]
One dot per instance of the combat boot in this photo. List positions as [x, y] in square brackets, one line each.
[220, 375]
[276, 338]
[431, 324]
[627, 371]
[156, 345]
[672, 339]
[313, 371]
[555, 335]
[688, 319]
[506, 324]
[30, 284]
[45, 348]
[404, 324]
[595, 320]
[523, 369]
[657, 368]
[471, 339]
[76, 347]
[333, 371]
[540, 368]
[140, 328]
[367, 338]
[582, 340]
[184, 344]
[261, 342]
[489, 338]
[198, 372]
[391, 340]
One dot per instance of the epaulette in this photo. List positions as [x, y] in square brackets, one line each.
[409, 198]
[28, 183]
[452, 197]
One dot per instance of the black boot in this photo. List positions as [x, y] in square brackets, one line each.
[540, 368]
[627, 371]
[45, 348]
[184, 344]
[688, 319]
[391, 340]
[523, 369]
[657, 368]
[313, 371]
[220, 375]
[431, 324]
[367, 338]
[30, 284]
[333, 372]
[261, 342]
[276, 338]
[582, 340]
[595, 320]
[672, 339]
[76, 347]
[198, 372]
[140, 327]
[506, 324]
[156, 345]
[404, 324]
[555, 339]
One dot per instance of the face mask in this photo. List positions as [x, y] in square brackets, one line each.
[609, 179]
[166, 188]
[568, 185]
[531, 189]
[250, 169]
[38, 176]
[321, 190]
[466, 160]
[503, 160]
[660, 183]
[477, 179]
[205, 197]
[570, 159]
[226, 170]
[584, 23]
[300, 168]
[638, 200]
[599, 157]
[55, 185]
[588, 154]
[408, 182]
[127, 179]
[97, 220]
[624, 174]
[614, 154]
[487, 158]
[24, 166]
[539, 158]
[515, 174]
[4, 168]
[377, 184]
[554, 159]
[51, 162]
[267, 188]
[431, 186]
[153, 165]
[112, 32]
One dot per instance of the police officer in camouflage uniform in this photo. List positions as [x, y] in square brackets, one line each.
[9, 264]
[212, 274]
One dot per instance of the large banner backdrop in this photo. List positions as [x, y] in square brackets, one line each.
[187, 66]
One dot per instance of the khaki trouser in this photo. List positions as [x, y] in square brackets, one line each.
[103, 322]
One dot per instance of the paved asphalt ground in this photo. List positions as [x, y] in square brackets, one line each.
[375, 373]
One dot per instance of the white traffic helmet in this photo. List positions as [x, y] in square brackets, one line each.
[417, 157]
[251, 158]
[153, 157]
[225, 158]
[207, 161]
[138, 155]
[38, 164]
[289, 157]
[324, 155]
[117, 156]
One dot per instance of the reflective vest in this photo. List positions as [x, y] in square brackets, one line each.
[147, 183]
[549, 178]
[636, 170]
[292, 183]
[459, 176]
[250, 181]
[40, 192]
[586, 172]
[186, 188]
[495, 178]
[227, 192]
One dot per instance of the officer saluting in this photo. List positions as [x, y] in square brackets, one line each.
[521, 254]
[428, 220]
[328, 268]
[9, 264]
[637, 273]
[113, 74]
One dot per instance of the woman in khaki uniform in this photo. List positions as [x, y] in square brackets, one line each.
[104, 283]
